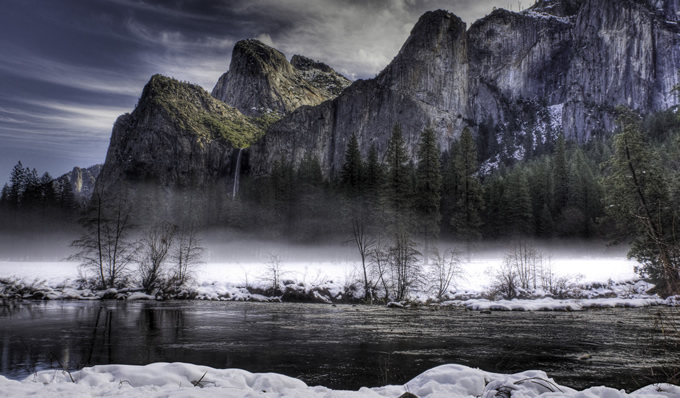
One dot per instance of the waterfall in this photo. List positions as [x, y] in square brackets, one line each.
[237, 173]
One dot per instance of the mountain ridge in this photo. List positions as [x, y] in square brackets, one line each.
[561, 66]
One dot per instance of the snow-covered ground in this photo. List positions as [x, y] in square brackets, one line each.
[606, 281]
[186, 380]
[597, 281]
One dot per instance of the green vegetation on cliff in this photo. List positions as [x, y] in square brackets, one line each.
[192, 109]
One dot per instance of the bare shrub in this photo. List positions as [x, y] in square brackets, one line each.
[445, 268]
[186, 255]
[380, 265]
[403, 260]
[155, 247]
[273, 273]
[526, 269]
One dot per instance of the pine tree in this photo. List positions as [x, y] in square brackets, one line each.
[373, 175]
[519, 206]
[308, 197]
[351, 174]
[544, 222]
[494, 215]
[560, 175]
[17, 184]
[49, 193]
[469, 203]
[32, 195]
[428, 188]
[638, 201]
[64, 193]
[398, 182]
[282, 180]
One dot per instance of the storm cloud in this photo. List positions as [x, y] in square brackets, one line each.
[69, 68]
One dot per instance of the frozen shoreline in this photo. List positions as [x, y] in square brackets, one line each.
[188, 380]
[335, 282]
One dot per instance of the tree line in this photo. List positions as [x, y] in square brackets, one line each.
[563, 190]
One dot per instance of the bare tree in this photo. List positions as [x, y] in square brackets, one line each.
[104, 247]
[364, 242]
[443, 271]
[274, 272]
[155, 247]
[186, 255]
[380, 263]
[525, 259]
[403, 258]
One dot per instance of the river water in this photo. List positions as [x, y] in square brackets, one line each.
[341, 347]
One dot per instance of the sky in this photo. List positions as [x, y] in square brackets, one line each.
[69, 68]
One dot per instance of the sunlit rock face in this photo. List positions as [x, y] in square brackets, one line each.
[260, 79]
[82, 180]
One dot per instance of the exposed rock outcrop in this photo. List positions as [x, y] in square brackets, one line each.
[177, 136]
[625, 53]
[82, 180]
[260, 79]
[426, 84]
[559, 66]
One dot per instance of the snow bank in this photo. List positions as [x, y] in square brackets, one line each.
[187, 380]
[549, 304]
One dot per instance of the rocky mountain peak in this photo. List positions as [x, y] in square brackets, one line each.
[558, 8]
[320, 75]
[261, 80]
[177, 136]
[302, 63]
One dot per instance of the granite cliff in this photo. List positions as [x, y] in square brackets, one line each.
[559, 66]
[83, 180]
[177, 136]
[261, 80]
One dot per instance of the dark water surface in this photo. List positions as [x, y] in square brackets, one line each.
[339, 347]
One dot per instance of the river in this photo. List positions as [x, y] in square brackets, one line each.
[341, 347]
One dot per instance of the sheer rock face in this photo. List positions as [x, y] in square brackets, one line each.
[578, 59]
[425, 85]
[178, 136]
[82, 180]
[260, 79]
[516, 56]
[626, 53]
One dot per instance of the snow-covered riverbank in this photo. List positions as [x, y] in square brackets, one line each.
[187, 380]
[596, 283]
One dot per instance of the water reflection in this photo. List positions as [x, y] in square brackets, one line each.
[339, 347]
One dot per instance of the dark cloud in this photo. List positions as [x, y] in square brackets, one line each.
[70, 67]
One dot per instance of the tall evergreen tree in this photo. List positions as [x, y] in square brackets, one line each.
[638, 202]
[466, 219]
[374, 174]
[519, 207]
[351, 174]
[398, 182]
[560, 174]
[428, 188]
[17, 184]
